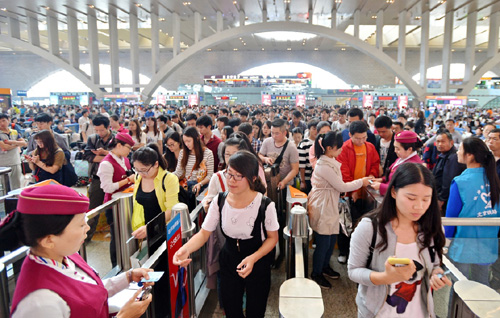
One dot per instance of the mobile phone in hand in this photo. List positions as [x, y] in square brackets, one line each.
[144, 294]
[399, 261]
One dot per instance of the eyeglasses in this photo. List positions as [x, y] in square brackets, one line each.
[143, 171]
[236, 177]
[129, 147]
[170, 145]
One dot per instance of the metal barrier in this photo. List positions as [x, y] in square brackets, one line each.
[10, 263]
[4, 187]
[299, 296]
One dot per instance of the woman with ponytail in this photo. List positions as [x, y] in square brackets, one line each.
[474, 193]
[156, 190]
[323, 202]
[250, 225]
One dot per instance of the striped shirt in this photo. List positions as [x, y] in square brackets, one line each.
[193, 175]
[304, 162]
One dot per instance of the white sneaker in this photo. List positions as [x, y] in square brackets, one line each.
[342, 259]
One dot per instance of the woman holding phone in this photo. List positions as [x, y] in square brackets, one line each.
[406, 225]
[250, 225]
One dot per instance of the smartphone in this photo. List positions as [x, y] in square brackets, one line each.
[443, 274]
[145, 293]
[399, 261]
[370, 181]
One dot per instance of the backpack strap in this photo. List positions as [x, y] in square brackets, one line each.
[223, 187]
[372, 244]
[262, 212]
[163, 181]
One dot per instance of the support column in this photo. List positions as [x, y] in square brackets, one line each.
[53, 32]
[14, 29]
[114, 50]
[402, 38]
[242, 17]
[264, 15]
[470, 45]
[176, 30]
[493, 35]
[447, 40]
[333, 19]
[33, 31]
[311, 14]
[197, 27]
[424, 44]
[93, 46]
[357, 18]
[220, 21]
[74, 50]
[134, 47]
[380, 30]
[155, 42]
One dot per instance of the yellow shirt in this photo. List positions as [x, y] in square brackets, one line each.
[166, 199]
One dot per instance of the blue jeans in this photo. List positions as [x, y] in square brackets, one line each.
[323, 252]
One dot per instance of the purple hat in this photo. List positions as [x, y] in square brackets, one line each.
[126, 138]
[52, 199]
[406, 137]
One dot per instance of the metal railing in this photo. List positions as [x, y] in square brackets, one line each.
[10, 262]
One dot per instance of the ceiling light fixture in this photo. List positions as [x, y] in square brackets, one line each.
[161, 19]
[187, 3]
[338, 1]
[138, 5]
[209, 50]
[316, 49]
[91, 6]
[343, 49]
[374, 16]
[263, 49]
[289, 49]
[235, 49]
[417, 17]
[389, 1]
[3, 9]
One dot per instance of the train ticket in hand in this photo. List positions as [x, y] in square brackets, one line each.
[153, 277]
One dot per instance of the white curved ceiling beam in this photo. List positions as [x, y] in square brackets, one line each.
[333, 34]
[54, 59]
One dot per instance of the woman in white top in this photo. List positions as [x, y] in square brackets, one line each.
[196, 163]
[251, 234]
[153, 134]
[323, 202]
[139, 137]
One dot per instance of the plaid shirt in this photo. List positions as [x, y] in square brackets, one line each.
[256, 144]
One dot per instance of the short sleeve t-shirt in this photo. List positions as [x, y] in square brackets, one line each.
[360, 167]
[384, 149]
[405, 298]
[238, 223]
[10, 157]
[290, 156]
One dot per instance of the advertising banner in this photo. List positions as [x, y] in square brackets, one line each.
[161, 99]
[178, 275]
[402, 102]
[266, 99]
[300, 100]
[193, 100]
[367, 101]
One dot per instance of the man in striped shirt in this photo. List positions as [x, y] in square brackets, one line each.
[305, 167]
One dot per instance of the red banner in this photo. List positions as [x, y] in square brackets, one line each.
[193, 100]
[161, 99]
[266, 99]
[179, 299]
[300, 100]
[367, 101]
[402, 102]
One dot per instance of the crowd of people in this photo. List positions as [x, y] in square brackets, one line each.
[426, 164]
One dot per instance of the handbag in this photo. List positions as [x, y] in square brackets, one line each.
[345, 217]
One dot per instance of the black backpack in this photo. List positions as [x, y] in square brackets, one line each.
[69, 176]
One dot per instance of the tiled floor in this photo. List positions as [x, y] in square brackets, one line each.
[339, 301]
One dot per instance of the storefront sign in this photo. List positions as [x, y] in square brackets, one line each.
[179, 299]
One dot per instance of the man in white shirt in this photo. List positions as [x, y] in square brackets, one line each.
[342, 123]
[222, 121]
